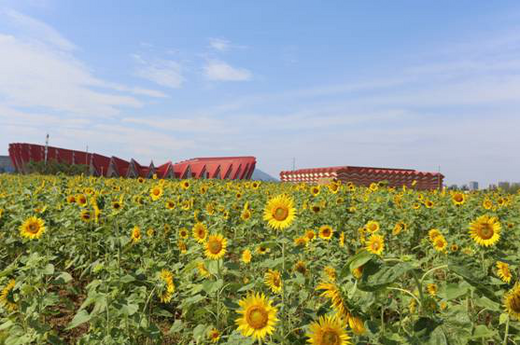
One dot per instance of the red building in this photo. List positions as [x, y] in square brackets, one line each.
[233, 168]
[366, 175]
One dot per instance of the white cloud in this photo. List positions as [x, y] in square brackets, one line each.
[219, 44]
[219, 70]
[36, 29]
[166, 73]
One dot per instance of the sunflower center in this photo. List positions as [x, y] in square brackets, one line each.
[514, 303]
[485, 231]
[214, 246]
[458, 198]
[276, 281]
[200, 233]
[257, 317]
[156, 192]
[375, 245]
[330, 337]
[280, 213]
[33, 228]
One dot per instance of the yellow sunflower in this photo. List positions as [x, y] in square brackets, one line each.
[182, 247]
[376, 244]
[280, 212]
[310, 234]
[512, 301]
[330, 272]
[32, 228]
[332, 292]
[214, 335]
[439, 243]
[156, 192]
[342, 239]
[246, 215]
[81, 200]
[117, 205]
[273, 279]
[246, 256]
[487, 204]
[328, 331]
[326, 232]
[136, 234]
[433, 234]
[71, 199]
[170, 204]
[185, 184]
[454, 247]
[169, 288]
[372, 226]
[358, 272]
[200, 232]
[7, 298]
[183, 233]
[262, 249]
[258, 316]
[140, 180]
[458, 198]
[356, 324]
[203, 271]
[315, 190]
[504, 272]
[86, 216]
[300, 267]
[432, 289]
[485, 230]
[216, 246]
[398, 228]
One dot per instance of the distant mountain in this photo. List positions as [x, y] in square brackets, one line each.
[262, 176]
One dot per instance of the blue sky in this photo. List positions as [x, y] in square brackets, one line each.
[410, 84]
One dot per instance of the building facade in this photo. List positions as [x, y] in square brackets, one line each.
[6, 165]
[232, 168]
[366, 175]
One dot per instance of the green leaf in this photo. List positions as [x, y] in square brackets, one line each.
[437, 337]
[454, 291]
[388, 276]
[49, 269]
[503, 318]
[130, 309]
[176, 327]
[485, 302]
[482, 331]
[358, 260]
[80, 318]
[63, 278]
[6, 325]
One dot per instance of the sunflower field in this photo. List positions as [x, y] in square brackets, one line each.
[122, 261]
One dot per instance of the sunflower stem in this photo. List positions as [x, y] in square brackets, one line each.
[283, 290]
[433, 269]
[507, 331]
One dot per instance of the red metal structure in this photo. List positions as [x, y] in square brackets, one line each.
[232, 168]
[366, 175]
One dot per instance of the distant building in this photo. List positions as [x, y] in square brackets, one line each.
[473, 185]
[366, 175]
[503, 185]
[6, 166]
[492, 186]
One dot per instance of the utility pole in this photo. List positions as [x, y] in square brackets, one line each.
[46, 147]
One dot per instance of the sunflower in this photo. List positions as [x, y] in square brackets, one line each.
[71, 199]
[300, 267]
[328, 331]
[301, 241]
[485, 230]
[216, 246]
[150, 232]
[136, 234]
[316, 208]
[214, 335]
[117, 205]
[487, 204]
[373, 187]
[140, 180]
[273, 279]
[185, 184]
[280, 212]
[399, 226]
[376, 244]
[342, 239]
[315, 190]
[458, 198]
[86, 216]
[81, 200]
[169, 288]
[258, 316]
[416, 206]
[262, 249]
[512, 301]
[246, 256]
[439, 243]
[454, 247]
[255, 185]
[310, 234]
[372, 226]
[358, 272]
[183, 233]
[32, 228]
[433, 234]
[7, 298]
[200, 232]
[357, 325]
[503, 271]
[330, 272]
[334, 187]
[432, 289]
[332, 292]
[326, 232]
[203, 271]
[170, 204]
[182, 247]
[156, 192]
[428, 204]
[203, 190]
[246, 215]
